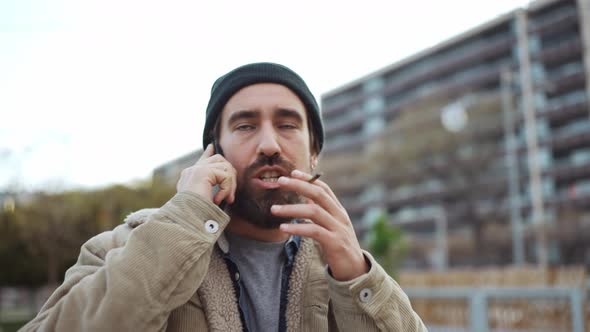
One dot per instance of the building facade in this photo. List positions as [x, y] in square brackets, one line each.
[518, 190]
[536, 62]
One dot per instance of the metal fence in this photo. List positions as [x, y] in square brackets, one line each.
[443, 309]
[500, 308]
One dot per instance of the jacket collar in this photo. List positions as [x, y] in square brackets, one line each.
[141, 216]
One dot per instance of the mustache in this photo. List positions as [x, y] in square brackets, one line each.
[275, 159]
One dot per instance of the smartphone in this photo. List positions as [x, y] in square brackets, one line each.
[218, 150]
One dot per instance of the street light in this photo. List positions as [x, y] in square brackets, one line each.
[454, 117]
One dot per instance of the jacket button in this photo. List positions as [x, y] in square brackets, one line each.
[365, 295]
[211, 226]
[237, 276]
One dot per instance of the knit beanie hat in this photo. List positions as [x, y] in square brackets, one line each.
[264, 72]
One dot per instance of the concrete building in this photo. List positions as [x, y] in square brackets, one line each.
[536, 61]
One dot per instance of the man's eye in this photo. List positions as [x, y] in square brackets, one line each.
[245, 127]
[287, 126]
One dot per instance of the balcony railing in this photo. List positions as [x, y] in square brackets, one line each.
[565, 70]
[563, 51]
[557, 19]
[346, 122]
[496, 186]
[448, 65]
[433, 69]
[568, 170]
[350, 143]
[566, 83]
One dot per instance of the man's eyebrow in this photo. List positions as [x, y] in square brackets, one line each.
[289, 113]
[240, 115]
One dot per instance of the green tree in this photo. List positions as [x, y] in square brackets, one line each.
[19, 268]
[387, 244]
[42, 236]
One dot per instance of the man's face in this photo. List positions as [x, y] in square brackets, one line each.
[264, 135]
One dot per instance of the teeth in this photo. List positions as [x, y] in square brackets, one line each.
[270, 176]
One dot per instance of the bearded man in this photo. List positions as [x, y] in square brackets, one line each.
[250, 242]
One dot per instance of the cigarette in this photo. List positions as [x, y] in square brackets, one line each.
[315, 177]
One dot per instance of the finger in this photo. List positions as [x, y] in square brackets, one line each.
[312, 212]
[224, 181]
[229, 171]
[216, 158]
[313, 192]
[233, 184]
[310, 230]
[306, 177]
[222, 165]
[209, 151]
[302, 175]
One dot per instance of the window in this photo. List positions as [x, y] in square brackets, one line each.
[534, 44]
[373, 85]
[373, 125]
[374, 104]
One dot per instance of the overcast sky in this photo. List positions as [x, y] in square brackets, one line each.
[100, 92]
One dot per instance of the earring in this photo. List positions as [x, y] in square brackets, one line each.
[313, 165]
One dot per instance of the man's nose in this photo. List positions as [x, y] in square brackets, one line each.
[268, 143]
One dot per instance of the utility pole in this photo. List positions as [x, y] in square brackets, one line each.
[530, 121]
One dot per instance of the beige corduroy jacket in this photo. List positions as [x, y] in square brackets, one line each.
[162, 271]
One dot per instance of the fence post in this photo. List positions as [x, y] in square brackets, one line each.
[577, 307]
[478, 311]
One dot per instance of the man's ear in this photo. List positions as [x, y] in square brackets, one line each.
[314, 161]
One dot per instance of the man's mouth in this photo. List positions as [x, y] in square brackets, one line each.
[269, 176]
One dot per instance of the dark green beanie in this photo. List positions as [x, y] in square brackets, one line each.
[264, 72]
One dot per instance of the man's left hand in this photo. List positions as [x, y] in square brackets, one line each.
[330, 225]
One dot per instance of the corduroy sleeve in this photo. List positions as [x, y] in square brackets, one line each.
[372, 302]
[130, 280]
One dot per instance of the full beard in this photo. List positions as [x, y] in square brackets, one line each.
[254, 205]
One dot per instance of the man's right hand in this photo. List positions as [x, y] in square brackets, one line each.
[210, 170]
